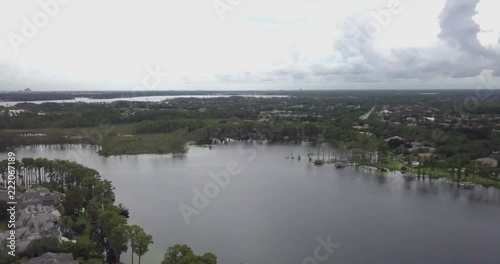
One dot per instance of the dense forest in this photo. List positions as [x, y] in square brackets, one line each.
[443, 123]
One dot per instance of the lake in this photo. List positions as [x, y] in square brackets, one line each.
[274, 210]
[134, 99]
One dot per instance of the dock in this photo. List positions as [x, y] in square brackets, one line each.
[409, 176]
[467, 185]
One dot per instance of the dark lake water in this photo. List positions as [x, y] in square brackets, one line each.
[280, 211]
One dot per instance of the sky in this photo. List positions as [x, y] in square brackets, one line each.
[243, 44]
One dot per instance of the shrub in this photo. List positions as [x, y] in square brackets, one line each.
[78, 228]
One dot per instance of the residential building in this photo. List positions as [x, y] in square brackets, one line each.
[53, 258]
[489, 161]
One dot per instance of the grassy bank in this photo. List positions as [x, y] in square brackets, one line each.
[113, 140]
[475, 179]
[84, 237]
[396, 165]
[145, 144]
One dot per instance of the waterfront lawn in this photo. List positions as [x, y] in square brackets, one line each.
[394, 165]
[84, 237]
[391, 163]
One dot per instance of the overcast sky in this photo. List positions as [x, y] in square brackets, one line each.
[247, 44]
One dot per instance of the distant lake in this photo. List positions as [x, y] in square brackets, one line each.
[136, 99]
[276, 210]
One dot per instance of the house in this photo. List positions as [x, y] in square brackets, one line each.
[425, 155]
[35, 222]
[489, 161]
[394, 138]
[12, 112]
[36, 217]
[36, 196]
[53, 258]
[415, 145]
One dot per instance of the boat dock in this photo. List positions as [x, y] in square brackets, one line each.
[467, 185]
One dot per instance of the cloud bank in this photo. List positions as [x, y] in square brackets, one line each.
[308, 47]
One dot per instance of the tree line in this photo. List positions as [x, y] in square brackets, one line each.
[88, 208]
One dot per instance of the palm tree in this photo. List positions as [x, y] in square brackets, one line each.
[65, 224]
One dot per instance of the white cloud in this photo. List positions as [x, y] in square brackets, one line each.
[286, 43]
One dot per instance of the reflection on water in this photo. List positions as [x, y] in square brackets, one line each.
[276, 208]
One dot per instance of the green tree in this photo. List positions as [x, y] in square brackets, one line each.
[183, 254]
[142, 244]
[139, 241]
[114, 233]
[78, 227]
[78, 249]
[66, 224]
[73, 201]
[178, 254]
[133, 232]
[207, 258]
[118, 240]
[4, 214]
[5, 258]
[39, 246]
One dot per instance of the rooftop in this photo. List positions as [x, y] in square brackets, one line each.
[53, 258]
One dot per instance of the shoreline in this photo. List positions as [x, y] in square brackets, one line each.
[476, 180]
